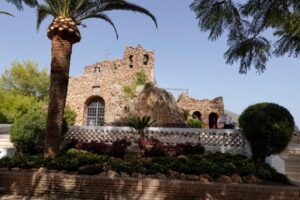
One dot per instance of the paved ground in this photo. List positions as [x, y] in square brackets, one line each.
[4, 142]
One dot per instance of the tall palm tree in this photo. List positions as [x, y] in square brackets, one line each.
[64, 32]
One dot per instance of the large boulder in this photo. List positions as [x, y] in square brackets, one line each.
[157, 103]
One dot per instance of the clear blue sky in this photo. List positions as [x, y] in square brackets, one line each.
[184, 56]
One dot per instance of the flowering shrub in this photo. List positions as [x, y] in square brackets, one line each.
[153, 148]
[116, 149]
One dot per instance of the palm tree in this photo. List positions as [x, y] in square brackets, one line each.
[64, 32]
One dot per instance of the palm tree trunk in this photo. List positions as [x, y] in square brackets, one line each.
[59, 80]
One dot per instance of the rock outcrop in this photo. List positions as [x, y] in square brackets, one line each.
[157, 103]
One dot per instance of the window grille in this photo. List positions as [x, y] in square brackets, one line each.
[95, 112]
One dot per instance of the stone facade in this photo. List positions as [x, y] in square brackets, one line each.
[102, 85]
[105, 80]
[209, 111]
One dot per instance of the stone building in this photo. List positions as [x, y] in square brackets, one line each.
[209, 111]
[95, 95]
[98, 99]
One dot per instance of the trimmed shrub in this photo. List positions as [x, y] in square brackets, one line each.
[195, 123]
[268, 127]
[27, 132]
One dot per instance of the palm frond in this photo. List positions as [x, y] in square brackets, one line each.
[140, 123]
[42, 12]
[19, 3]
[80, 10]
[6, 13]
[103, 17]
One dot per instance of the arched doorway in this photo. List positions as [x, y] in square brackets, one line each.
[95, 111]
[196, 115]
[213, 120]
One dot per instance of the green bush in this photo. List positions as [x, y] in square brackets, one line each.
[70, 116]
[27, 132]
[195, 123]
[140, 79]
[186, 114]
[88, 163]
[268, 127]
[3, 119]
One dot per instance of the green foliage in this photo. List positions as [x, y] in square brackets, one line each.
[140, 79]
[195, 123]
[27, 132]
[26, 79]
[70, 116]
[268, 127]
[19, 3]
[246, 23]
[80, 10]
[13, 106]
[3, 118]
[213, 164]
[129, 91]
[139, 123]
[186, 114]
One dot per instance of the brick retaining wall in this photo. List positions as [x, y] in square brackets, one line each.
[62, 186]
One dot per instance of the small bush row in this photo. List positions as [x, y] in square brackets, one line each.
[88, 163]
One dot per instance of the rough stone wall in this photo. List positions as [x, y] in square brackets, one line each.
[157, 103]
[204, 106]
[109, 76]
[39, 185]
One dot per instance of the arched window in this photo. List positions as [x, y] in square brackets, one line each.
[145, 59]
[95, 112]
[196, 115]
[131, 61]
[213, 120]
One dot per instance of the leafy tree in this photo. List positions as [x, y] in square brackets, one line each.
[246, 23]
[12, 105]
[26, 79]
[64, 32]
[268, 127]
